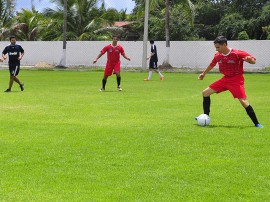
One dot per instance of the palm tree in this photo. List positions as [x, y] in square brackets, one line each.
[27, 25]
[81, 19]
[6, 17]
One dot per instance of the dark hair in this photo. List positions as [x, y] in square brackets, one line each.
[12, 37]
[221, 40]
[151, 41]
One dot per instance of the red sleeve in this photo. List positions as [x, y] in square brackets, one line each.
[214, 61]
[121, 49]
[105, 49]
[243, 54]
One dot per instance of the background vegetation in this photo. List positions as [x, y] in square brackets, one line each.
[235, 19]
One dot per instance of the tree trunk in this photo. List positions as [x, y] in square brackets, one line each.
[166, 62]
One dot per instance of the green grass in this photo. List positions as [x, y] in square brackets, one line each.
[63, 140]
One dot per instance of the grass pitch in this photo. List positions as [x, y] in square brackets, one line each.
[63, 140]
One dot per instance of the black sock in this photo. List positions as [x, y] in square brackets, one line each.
[104, 81]
[252, 114]
[118, 81]
[206, 105]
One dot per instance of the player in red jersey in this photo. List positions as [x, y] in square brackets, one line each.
[230, 63]
[113, 62]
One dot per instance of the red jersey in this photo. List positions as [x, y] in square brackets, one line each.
[113, 53]
[232, 63]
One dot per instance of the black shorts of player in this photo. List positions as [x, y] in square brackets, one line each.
[14, 68]
[153, 64]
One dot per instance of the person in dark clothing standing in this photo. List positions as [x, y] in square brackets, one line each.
[15, 54]
[153, 66]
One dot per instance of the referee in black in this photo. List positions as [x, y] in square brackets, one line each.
[15, 54]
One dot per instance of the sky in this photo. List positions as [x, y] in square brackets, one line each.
[41, 4]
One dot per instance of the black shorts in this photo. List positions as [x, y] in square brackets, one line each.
[14, 68]
[153, 64]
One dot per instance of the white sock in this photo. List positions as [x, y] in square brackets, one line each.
[150, 75]
[160, 74]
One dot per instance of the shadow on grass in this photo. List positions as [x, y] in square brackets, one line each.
[226, 126]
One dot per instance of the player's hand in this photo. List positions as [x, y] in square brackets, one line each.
[94, 61]
[128, 59]
[249, 60]
[1, 60]
[201, 76]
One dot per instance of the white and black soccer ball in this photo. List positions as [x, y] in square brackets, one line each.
[203, 120]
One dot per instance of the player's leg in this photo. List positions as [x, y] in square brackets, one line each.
[156, 69]
[118, 76]
[206, 99]
[151, 67]
[15, 78]
[216, 87]
[238, 91]
[118, 80]
[250, 111]
[104, 81]
[107, 72]
[11, 77]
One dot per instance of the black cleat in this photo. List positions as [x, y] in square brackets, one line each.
[7, 91]
[22, 86]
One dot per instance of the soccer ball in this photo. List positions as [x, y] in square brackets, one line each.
[203, 120]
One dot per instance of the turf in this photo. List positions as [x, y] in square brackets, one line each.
[63, 140]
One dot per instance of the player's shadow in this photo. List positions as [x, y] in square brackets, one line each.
[225, 126]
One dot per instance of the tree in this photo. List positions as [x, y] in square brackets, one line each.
[230, 25]
[187, 4]
[81, 19]
[6, 17]
[27, 25]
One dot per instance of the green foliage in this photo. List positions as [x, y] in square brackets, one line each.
[230, 25]
[243, 35]
[63, 140]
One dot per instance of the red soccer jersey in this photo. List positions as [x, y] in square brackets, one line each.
[113, 53]
[230, 64]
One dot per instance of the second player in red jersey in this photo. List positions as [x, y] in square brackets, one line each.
[113, 62]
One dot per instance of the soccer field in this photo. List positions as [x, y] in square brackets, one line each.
[63, 140]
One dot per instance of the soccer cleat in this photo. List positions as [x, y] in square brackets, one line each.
[22, 86]
[162, 78]
[7, 91]
[146, 79]
[102, 89]
[259, 125]
[119, 88]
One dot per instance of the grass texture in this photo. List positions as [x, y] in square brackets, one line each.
[63, 140]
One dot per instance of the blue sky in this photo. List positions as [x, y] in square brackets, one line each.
[41, 4]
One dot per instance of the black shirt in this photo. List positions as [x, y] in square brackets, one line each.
[154, 50]
[13, 52]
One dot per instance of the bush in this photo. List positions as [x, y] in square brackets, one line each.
[243, 35]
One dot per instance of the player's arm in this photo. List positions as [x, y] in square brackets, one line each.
[125, 56]
[246, 57]
[21, 56]
[99, 55]
[4, 56]
[151, 55]
[249, 59]
[202, 75]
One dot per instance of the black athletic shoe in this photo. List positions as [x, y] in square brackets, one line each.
[22, 86]
[7, 91]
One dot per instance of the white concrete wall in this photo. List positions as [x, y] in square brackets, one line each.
[190, 54]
